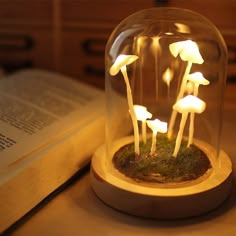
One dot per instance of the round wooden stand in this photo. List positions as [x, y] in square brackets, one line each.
[162, 201]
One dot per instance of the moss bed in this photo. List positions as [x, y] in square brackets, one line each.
[162, 167]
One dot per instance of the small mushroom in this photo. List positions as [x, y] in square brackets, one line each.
[122, 61]
[197, 79]
[156, 126]
[188, 51]
[120, 65]
[185, 105]
[142, 115]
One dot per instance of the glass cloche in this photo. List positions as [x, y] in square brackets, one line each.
[165, 75]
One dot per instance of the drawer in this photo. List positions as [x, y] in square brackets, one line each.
[230, 40]
[83, 54]
[26, 48]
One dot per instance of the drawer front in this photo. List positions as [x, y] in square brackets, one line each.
[26, 48]
[230, 40]
[83, 55]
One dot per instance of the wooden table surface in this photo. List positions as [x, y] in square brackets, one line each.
[77, 211]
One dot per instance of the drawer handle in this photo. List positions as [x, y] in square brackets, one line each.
[16, 42]
[232, 55]
[231, 79]
[95, 47]
[90, 70]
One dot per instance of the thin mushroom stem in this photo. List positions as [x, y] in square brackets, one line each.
[153, 147]
[191, 129]
[180, 95]
[144, 131]
[132, 112]
[192, 115]
[195, 89]
[171, 123]
[184, 81]
[180, 133]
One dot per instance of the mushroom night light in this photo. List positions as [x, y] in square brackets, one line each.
[164, 85]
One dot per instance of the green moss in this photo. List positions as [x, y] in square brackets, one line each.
[162, 167]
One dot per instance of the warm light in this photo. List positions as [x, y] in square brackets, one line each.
[155, 42]
[156, 50]
[140, 40]
[185, 105]
[120, 64]
[197, 79]
[190, 103]
[188, 51]
[189, 88]
[182, 28]
[122, 60]
[168, 76]
[156, 126]
[169, 33]
[142, 115]
[165, 71]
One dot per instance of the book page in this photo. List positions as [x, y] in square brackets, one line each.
[39, 107]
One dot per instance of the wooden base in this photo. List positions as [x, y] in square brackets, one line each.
[162, 201]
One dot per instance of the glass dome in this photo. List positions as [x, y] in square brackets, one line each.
[165, 75]
[167, 54]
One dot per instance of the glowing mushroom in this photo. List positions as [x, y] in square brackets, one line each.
[142, 115]
[120, 65]
[197, 79]
[156, 126]
[185, 105]
[188, 51]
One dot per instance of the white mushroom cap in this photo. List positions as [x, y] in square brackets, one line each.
[188, 51]
[142, 113]
[157, 126]
[189, 103]
[122, 60]
[198, 78]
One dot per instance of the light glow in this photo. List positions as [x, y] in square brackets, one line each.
[156, 126]
[168, 76]
[142, 115]
[120, 64]
[185, 105]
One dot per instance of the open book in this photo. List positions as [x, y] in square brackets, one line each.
[49, 127]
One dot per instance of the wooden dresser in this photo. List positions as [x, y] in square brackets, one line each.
[69, 36]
